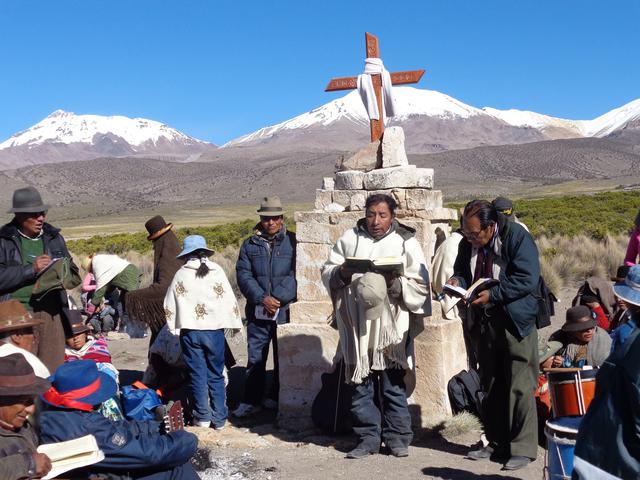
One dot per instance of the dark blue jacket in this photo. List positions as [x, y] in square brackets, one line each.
[129, 446]
[263, 271]
[519, 278]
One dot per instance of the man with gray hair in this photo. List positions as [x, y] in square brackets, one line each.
[28, 246]
[373, 311]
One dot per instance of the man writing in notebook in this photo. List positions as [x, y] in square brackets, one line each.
[373, 312]
[504, 324]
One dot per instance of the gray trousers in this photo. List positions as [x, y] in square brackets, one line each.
[509, 375]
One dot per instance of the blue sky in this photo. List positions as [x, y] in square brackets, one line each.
[220, 69]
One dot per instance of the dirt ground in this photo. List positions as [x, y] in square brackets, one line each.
[257, 449]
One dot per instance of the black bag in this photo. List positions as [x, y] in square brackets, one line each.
[331, 409]
[465, 393]
[546, 307]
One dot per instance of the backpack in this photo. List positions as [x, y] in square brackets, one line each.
[546, 308]
[139, 403]
[465, 393]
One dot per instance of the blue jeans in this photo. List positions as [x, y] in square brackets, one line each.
[203, 352]
[379, 408]
[260, 333]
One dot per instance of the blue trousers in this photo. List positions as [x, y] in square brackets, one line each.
[203, 352]
[379, 410]
[260, 333]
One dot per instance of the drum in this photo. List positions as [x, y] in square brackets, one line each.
[571, 391]
[561, 436]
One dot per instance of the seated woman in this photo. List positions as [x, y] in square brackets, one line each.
[597, 294]
[82, 346]
[583, 342]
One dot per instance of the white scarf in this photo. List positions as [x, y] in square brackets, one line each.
[374, 66]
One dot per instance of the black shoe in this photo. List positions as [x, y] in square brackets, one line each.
[399, 451]
[483, 453]
[517, 462]
[361, 451]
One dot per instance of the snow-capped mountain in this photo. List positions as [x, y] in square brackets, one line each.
[434, 121]
[64, 136]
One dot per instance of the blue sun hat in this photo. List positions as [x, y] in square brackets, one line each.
[79, 385]
[629, 289]
[193, 243]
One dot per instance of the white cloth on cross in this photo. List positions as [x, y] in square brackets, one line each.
[374, 66]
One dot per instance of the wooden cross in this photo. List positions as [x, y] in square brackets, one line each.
[397, 78]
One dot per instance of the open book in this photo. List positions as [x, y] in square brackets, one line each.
[71, 454]
[380, 264]
[469, 294]
[51, 264]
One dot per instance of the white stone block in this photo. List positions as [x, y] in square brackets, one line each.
[358, 201]
[422, 198]
[328, 183]
[349, 180]
[394, 177]
[323, 198]
[393, 151]
[424, 177]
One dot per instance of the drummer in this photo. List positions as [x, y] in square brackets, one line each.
[583, 342]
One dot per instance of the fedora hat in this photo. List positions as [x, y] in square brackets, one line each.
[193, 243]
[548, 349]
[579, 318]
[270, 207]
[17, 378]
[77, 323]
[629, 289]
[621, 273]
[13, 316]
[79, 385]
[156, 227]
[27, 200]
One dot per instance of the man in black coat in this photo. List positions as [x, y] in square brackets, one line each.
[28, 245]
[504, 324]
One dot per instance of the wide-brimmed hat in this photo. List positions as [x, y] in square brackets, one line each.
[270, 207]
[79, 385]
[156, 226]
[17, 378]
[548, 349]
[629, 289]
[193, 243]
[579, 318]
[27, 200]
[621, 273]
[13, 316]
[77, 323]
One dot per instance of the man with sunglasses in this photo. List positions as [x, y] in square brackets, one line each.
[28, 245]
[504, 326]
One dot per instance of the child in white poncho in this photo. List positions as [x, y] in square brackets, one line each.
[199, 306]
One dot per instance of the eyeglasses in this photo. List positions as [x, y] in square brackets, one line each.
[268, 219]
[472, 235]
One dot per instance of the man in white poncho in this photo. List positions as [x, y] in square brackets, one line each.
[373, 312]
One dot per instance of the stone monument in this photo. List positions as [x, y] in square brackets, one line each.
[308, 346]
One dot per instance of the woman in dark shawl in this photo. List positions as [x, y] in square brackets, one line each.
[146, 304]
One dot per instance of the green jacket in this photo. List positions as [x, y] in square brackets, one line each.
[519, 277]
[127, 280]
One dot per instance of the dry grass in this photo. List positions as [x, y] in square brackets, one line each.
[567, 260]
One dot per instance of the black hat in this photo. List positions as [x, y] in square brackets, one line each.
[27, 200]
[621, 273]
[156, 226]
[503, 205]
[579, 318]
[77, 323]
[17, 378]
